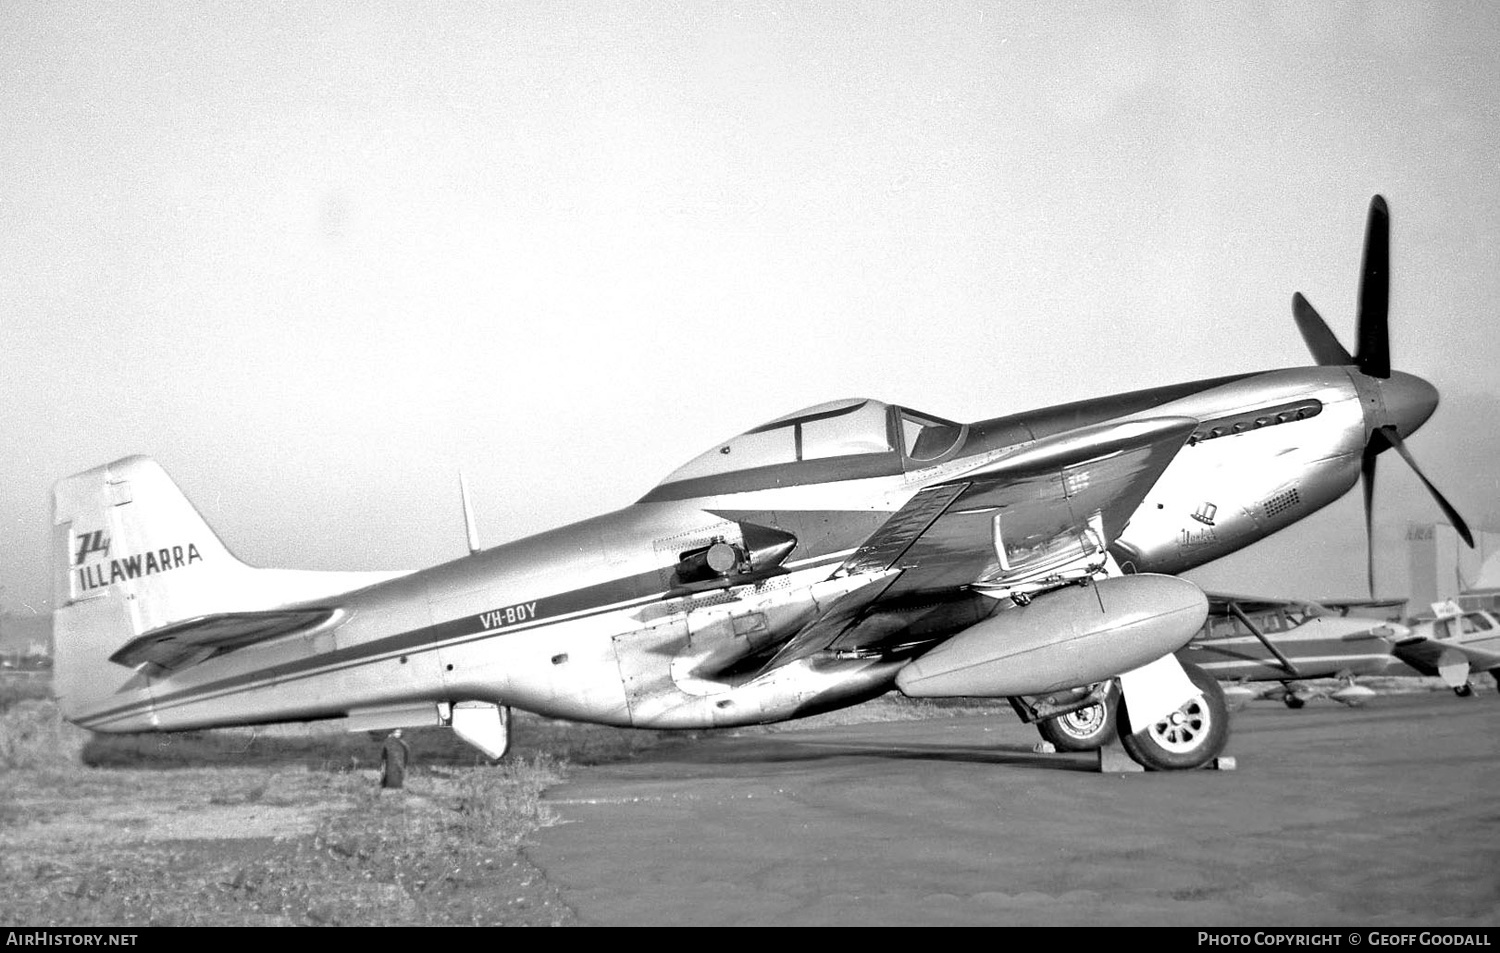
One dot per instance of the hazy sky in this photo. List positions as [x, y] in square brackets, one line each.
[317, 257]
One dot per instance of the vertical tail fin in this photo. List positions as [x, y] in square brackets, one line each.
[131, 555]
[125, 532]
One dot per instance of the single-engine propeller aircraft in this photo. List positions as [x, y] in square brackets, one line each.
[811, 563]
[1279, 644]
[1452, 644]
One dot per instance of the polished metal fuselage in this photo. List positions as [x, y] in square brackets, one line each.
[584, 622]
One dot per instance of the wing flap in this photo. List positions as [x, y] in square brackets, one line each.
[183, 644]
[823, 631]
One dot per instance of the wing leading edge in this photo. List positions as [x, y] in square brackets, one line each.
[1002, 520]
[993, 522]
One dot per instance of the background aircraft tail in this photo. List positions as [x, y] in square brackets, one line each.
[130, 556]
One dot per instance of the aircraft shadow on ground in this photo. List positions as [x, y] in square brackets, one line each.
[245, 748]
[332, 750]
[766, 751]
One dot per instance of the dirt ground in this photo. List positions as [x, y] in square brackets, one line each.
[893, 812]
[284, 826]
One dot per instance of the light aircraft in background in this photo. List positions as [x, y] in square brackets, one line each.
[1267, 648]
[811, 563]
[1453, 644]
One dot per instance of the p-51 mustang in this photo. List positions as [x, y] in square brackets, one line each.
[811, 563]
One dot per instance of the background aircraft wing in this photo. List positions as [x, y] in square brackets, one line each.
[1389, 610]
[183, 644]
[1219, 604]
[1423, 654]
[1431, 656]
[1000, 521]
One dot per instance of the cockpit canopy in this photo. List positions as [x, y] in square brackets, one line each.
[842, 439]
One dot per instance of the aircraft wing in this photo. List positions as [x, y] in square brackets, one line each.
[1219, 604]
[1374, 609]
[997, 521]
[1431, 656]
[1422, 654]
[1002, 521]
[183, 644]
[1389, 610]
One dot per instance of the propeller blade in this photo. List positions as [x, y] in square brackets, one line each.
[1367, 483]
[1374, 355]
[1325, 347]
[1394, 439]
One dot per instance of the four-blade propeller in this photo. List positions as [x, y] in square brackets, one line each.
[1402, 401]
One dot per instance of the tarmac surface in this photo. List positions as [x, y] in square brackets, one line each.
[1387, 815]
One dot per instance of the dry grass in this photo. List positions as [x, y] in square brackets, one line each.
[287, 825]
[16, 687]
[33, 735]
[275, 826]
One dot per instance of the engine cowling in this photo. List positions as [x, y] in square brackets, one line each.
[1072, 636]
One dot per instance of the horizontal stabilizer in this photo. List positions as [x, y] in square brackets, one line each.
[186, 643]
[140, 579]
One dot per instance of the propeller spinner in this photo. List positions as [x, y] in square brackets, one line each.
[1396, 403]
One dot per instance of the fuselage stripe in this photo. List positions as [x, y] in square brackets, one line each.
[454, 632]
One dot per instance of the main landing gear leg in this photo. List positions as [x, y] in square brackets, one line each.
[1191, 736]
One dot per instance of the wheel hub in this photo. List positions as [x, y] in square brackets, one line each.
[1184, 728]
[1084, 722]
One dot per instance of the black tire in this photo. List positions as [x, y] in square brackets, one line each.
[1190, 737]
[1087, 729]
[1464, 690]
[1292, 701]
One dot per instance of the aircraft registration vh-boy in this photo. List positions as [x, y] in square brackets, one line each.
[811, 563]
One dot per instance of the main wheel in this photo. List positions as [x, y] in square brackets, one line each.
[1292, 701]
[1464, 690]
[1189, 737]
[1087, 729]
